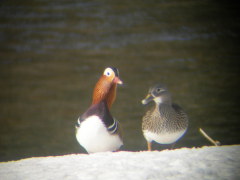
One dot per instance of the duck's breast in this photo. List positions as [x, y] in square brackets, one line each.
[94, 137]
[163, 138]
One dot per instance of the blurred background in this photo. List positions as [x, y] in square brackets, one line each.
[53, 52]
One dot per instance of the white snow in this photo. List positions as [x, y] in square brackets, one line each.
[198, 163]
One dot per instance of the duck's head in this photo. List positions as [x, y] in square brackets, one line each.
[159, 94]
[111, 75]
[105, 88]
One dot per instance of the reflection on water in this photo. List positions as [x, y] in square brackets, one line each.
[52, 54]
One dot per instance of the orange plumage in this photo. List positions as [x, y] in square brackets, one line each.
[105, 89]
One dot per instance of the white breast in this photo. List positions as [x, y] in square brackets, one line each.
[165, 138]
[94, 137]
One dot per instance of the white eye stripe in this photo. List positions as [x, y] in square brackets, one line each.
[108, 72]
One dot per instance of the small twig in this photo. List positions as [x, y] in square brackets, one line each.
[216, 143]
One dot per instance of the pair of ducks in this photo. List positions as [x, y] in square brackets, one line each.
[98, 131]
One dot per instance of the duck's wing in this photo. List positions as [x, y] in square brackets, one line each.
[112, 128]
[179, 110]
[78, 123]
[115, 128]
[181, 115]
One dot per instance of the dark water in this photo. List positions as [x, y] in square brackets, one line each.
[53, 52]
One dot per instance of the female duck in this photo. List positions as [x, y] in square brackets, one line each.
[96, 129]
[166, 122]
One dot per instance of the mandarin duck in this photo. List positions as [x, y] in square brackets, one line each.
[96, 129]
[166, 122]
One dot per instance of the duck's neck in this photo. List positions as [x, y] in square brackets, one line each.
[104, 91]
[111, 95]
[166, 99]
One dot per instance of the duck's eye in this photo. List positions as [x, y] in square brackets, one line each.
[107, 73]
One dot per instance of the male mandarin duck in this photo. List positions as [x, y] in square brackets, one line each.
[96, 129]
[166, 122]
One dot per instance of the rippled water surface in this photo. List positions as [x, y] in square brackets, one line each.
[53, 52]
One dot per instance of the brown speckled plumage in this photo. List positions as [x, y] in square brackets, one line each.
[165, 119]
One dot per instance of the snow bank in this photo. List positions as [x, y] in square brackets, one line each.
[201, 163]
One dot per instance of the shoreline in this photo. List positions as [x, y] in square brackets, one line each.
[208, 162]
